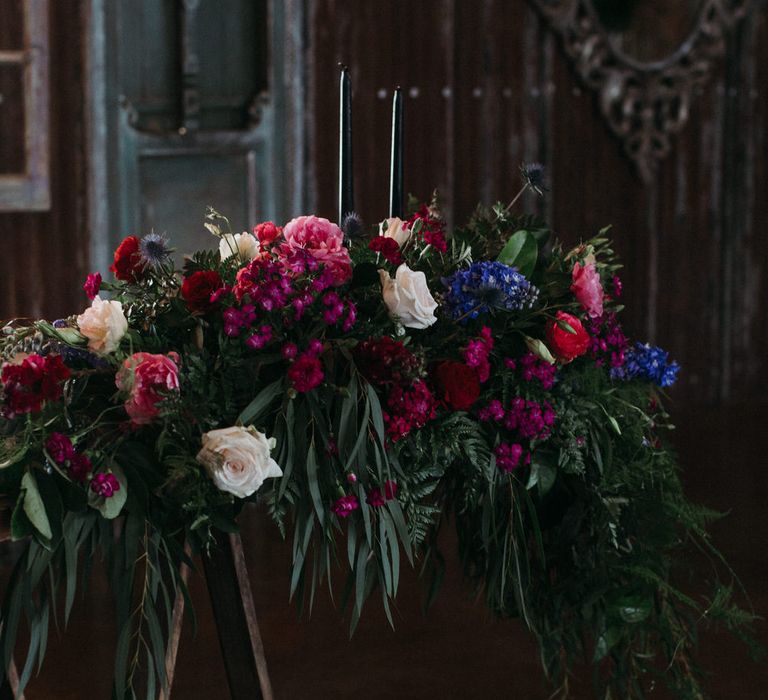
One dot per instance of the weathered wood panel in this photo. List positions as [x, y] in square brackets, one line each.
[487, 87]
[44, 256]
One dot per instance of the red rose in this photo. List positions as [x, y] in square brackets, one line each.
[196, 290]
[566, 346]
[128, 265]
[457, 385]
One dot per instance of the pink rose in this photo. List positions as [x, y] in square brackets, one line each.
[148, 379]
[587, 289]
[323, 240]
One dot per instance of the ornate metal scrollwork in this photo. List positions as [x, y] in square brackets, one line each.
[645, 104]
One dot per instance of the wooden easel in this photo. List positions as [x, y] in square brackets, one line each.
[235, 615]
[239, 637]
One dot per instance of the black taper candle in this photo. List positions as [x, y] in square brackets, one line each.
[396, 157]
[346, 184]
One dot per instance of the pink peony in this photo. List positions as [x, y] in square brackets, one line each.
[148, 379]
[586, 286]
[321, 239]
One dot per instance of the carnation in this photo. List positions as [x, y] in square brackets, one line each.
[305, 373]
[148, 379]
[30, 383]
[457, 385]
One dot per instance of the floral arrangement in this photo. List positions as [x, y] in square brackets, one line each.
[370, 387]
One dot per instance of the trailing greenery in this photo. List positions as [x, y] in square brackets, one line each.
[370, 391]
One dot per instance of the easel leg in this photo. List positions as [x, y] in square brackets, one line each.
[176, 623]
[235, 614]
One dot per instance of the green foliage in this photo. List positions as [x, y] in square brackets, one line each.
[580, 538]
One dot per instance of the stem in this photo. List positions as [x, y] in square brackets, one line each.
[517, 196]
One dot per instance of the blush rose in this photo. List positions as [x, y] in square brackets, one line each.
[104, 324]
[238, 459]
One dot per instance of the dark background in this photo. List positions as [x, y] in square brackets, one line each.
[487, 87]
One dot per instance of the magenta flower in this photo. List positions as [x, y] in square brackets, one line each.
[305, 373]
[60, 448]
[105, 485]
[92, 285]
[344, 506]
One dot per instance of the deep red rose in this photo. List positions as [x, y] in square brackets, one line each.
[128, 265]
[566, 346]
[196, 290]
[457, 385]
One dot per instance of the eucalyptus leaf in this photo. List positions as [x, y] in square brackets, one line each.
[254, 410]
[34, 506]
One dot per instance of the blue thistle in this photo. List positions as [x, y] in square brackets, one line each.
[352, 225]
[154, 249]
[533, 176]
[487, 286]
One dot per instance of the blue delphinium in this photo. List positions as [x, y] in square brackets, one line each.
[485, 286]
[648, 362]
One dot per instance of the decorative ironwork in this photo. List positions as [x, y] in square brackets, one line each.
[645, 103]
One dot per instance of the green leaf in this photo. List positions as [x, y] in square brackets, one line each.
[567, 327]
[606, 642]
[538, 348]
[253, 411]
[314, 486]
[520, 251]
[34, 506]
[543, 475]
[21, 527]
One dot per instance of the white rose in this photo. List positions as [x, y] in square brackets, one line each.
[396, 229]
[237, 459]
[243, 244]
[104, 324]
[407, 297]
